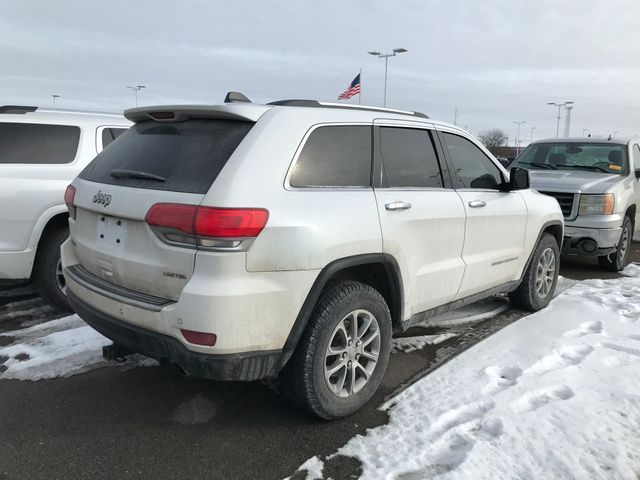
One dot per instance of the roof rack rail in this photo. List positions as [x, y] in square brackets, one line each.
[317, 104]
[17, 109]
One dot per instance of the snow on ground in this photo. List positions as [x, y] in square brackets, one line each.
[58, 348]
[553, 395]
[411, 344]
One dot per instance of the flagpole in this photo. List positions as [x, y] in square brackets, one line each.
[360, 92]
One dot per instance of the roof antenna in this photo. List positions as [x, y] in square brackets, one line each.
[609, 137]
[236, 97]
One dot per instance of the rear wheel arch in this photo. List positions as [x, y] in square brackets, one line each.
[58, 221]
[378, 270]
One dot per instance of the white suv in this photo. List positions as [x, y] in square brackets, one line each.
[40, 153]
[243, 241]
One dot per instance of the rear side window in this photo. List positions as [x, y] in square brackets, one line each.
[109, 134]
[38, 143]
[336, 156]
[408, 158]
[188, 155]
[473, 168]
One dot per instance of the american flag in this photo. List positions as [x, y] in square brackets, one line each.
[354, 89]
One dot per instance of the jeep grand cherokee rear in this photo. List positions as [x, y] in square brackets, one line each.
[244, 241]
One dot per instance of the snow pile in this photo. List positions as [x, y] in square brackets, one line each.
[411, 344]
[474, 313]
[58, 348]
[554, 395]
[314, 467]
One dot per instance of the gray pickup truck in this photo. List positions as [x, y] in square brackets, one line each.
[596, 182]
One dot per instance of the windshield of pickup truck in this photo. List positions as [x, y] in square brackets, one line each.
[594, 157]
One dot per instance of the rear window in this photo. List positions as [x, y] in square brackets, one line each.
[189, 155]
[337, 156]
[38, 143]
[109, 134]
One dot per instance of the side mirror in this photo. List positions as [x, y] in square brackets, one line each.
[638, 173]
[519, 179]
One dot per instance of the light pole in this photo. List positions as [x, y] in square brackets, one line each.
[532, 129]
[584, 132]
[136, 89]
[386, 56]
[559, 105]
[517, 142]
[54, 96]
[615, 133]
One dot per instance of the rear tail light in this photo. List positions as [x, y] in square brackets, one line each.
[69, 196]
[199, 338]
[208, 227]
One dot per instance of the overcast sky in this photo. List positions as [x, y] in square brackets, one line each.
[497, 61]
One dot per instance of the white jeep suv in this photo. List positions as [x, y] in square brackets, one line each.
[40, 153]
[242, 241]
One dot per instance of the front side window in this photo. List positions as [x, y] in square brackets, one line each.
[335, 156]
[36, 143]
[592, 157]
[472, 167]
[408, 158]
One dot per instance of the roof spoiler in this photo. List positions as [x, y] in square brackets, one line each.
[21, 109]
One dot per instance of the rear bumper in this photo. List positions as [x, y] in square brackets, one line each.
[238, 366]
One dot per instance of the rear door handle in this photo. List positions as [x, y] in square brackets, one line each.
[397, 205]
[477, 204]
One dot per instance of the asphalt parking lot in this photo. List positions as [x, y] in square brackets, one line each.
[151, 422]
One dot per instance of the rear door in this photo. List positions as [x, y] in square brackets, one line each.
[168, 162]
[422, 217]
[496, 220]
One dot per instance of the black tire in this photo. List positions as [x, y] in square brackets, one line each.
[303, 378]
[527, 296]
[616, 261]
[45, 275]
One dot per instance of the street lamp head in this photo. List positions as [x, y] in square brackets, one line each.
[400, 50]
[568, 103]
[374, 53]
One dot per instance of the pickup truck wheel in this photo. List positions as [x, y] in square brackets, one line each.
[47, 269]
[540, 279]
[619, 259]
[343, 354]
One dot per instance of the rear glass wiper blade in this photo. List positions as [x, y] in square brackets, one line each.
[124, 173]
[541, 165]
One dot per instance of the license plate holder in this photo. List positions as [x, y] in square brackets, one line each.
[111, 232]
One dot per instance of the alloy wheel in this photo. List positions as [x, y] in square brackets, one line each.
[352, 353]
[545, 272]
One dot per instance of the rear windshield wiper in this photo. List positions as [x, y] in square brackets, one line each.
[537, 164]
[124, 173]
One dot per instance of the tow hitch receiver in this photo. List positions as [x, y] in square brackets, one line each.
[115, 352]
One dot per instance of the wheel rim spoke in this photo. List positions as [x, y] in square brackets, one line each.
[352, 353]
[545, 273]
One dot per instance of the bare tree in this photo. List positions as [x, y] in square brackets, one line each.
[493, 138]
